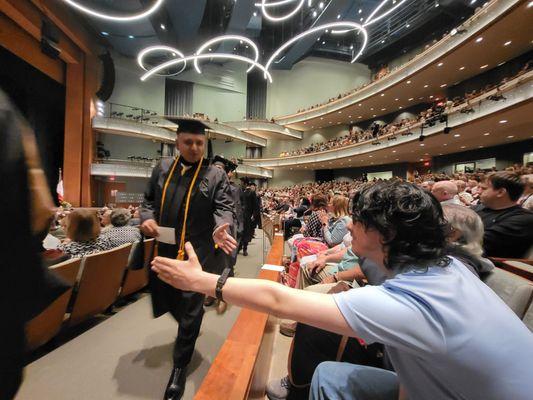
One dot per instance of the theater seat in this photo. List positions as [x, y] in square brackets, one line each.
[137, 279]
[99, 283]
[47, 324]
[514, 290]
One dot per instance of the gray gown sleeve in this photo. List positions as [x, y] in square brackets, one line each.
[224, 208]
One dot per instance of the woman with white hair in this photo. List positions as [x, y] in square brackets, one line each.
[466, 237]
[526, 200]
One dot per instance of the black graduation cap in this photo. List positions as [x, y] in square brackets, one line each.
[189, 125]
[228, 165]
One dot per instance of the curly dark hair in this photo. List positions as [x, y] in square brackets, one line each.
[409, 219]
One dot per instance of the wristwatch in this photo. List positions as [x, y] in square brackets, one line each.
[220, 283]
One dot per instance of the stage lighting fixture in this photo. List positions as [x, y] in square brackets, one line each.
[370, 19]
[151, 49]
[218, 39]
[264, 8]
[116, 18]
[170, 63]
[320, 28]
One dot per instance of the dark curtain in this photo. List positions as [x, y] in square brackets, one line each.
[41, 101]
[256, 95]
[178, 97]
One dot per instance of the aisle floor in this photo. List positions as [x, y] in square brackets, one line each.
[129, 356]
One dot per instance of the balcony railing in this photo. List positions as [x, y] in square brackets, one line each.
[143, 169]
[266, 126]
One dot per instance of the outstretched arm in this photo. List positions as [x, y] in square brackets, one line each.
[311, 308]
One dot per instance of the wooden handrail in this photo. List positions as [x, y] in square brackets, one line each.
[232, 372]
[506, 264]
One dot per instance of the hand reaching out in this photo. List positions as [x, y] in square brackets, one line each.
[223, 239]
[179, 274]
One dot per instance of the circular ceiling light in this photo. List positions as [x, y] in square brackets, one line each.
[264, 8]
[223, 38]
[342, 24]
[152, 49]
[170, 63]
[113, 17]
[370, 19]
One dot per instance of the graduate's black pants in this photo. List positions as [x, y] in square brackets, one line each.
[188, 312]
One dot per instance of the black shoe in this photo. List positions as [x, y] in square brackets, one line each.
[176, 384]
[244, 252]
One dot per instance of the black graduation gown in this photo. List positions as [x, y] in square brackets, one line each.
[211, 205]
[250, 211]
[237, 194]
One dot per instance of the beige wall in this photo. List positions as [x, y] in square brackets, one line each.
[287, 177]
[130, 91]
[312, 81]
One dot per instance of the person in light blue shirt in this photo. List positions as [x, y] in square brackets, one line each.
[448, 335]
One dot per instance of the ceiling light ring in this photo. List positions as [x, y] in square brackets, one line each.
[370, 20]
[264, 9]
[117, 18]
[289, 42]
[170, 63]
[151, 49]
[224, 38]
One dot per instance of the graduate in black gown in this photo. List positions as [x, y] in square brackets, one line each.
[252, 216]
[194, 198]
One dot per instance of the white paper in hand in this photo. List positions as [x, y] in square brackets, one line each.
[51, 242]
[307, 259]
[272, 267]
[166, 235]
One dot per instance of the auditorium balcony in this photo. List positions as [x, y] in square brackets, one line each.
[143, 169]
[475, 46]
[138, 122]
[481, 121]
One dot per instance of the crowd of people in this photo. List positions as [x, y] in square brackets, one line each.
[76, 233]
[486, 214]
[397, 279]
[437, 112]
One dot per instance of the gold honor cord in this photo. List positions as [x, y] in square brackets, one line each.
[181, 250]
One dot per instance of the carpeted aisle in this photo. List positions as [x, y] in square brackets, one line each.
[128, 356]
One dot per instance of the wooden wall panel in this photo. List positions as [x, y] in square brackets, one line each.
[73, 145]
[89, 110]
[25, 46]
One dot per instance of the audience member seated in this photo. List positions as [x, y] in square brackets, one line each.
[83, 235]
[295, 220]
[446, 333]
[508, 231]
[136, 219]
[121, 233]
[335, 221]
[313, 227]
[466, 238]
[526, 200]
[446, 192]
[311, 346]
[58, 227]
[105, 219]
